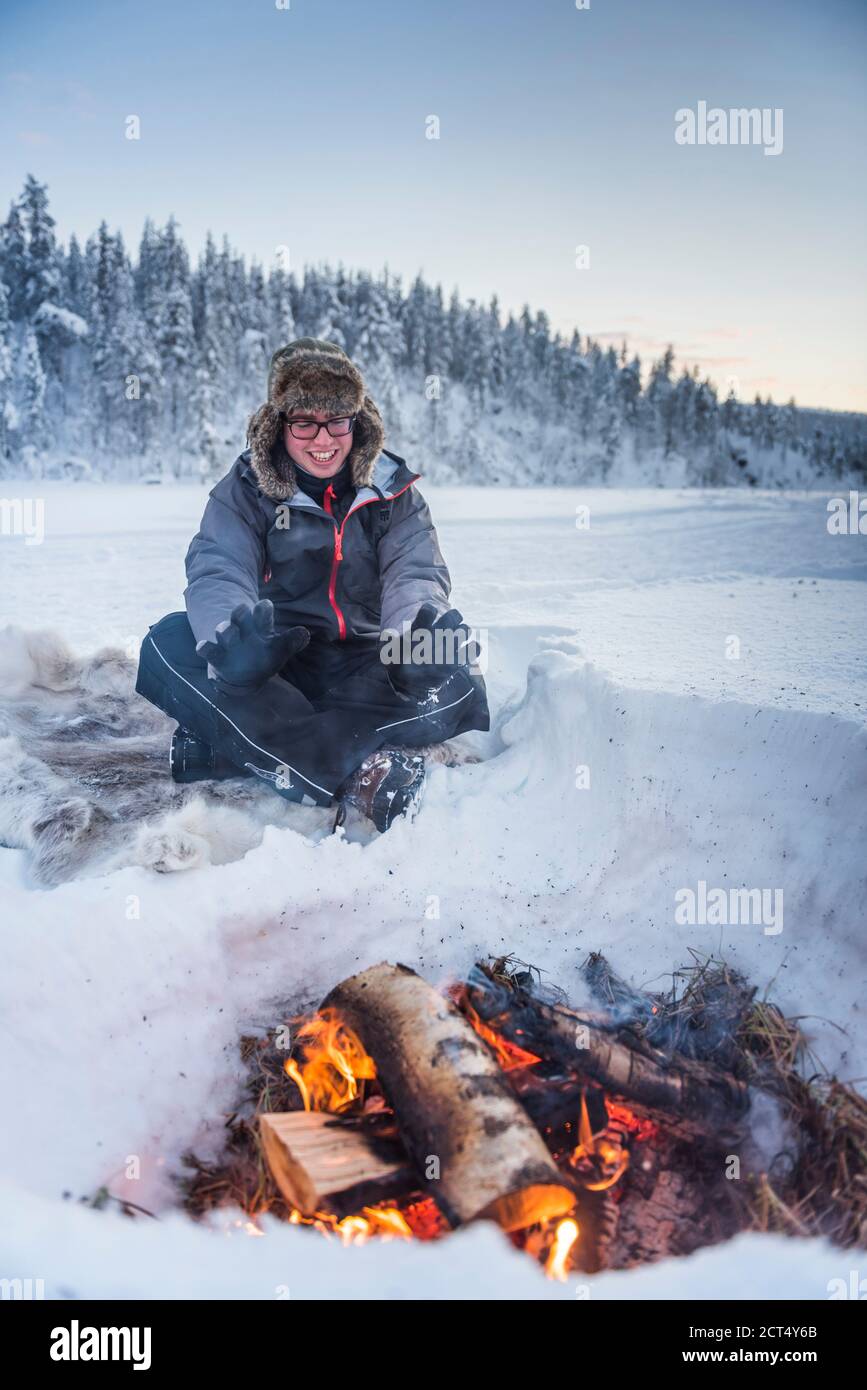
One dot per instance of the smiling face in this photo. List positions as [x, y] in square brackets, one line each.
[325, 454]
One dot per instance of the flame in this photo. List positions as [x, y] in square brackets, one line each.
[619, 1158]
[509, 1055]
[611, 1160]
[385, 1222]
[334, 1064]
[565, 1236]
[292, 1070]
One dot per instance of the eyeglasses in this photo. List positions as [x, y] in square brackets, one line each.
[308, 429]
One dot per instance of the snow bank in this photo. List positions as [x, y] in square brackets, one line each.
[508, 854]
[84, 1254]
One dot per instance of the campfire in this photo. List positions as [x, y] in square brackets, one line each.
[594, 1139]
[420, 1112]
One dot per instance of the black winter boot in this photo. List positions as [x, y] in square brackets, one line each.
[191, 759]
[388, 784]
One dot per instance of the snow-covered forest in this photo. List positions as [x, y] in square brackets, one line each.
[148, 368]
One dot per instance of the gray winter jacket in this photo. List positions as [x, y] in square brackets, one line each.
[352, 579]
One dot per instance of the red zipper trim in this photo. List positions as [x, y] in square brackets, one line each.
[338, 546]
[338, 556]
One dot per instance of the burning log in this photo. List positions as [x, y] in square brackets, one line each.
[466, 1133]
[699, 1095]
[335, 1163]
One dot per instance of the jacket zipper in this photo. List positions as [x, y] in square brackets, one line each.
[338, 549]
[338, 556]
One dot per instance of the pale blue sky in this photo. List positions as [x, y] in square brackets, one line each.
[306, 127]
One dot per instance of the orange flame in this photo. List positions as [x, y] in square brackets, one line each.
[565, 1236]
[611, 1160]
[334, 1064]
[509, 1055]
[385, 1222]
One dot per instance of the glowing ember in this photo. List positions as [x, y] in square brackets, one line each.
[642, 1129]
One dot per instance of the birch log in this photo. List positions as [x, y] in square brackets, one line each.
[472, 1143]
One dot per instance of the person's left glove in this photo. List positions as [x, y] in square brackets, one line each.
[248, 651]
[437, 645]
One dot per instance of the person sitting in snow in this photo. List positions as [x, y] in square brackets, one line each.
[313, 553]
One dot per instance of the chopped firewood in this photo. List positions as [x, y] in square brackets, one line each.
[698, 1093]
[323, 1162]
[471, 1141]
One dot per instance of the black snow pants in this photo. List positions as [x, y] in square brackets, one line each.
[308, 728]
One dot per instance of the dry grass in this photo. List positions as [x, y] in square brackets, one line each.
[710, 1012]
[824, 1192]
[240, 1176]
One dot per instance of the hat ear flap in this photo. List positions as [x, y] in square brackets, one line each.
[368, 441]
[275, 475]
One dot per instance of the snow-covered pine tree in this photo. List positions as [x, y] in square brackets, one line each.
[74, 291]
[43, 267]
[31, 391]
[7, 409]
[475, 354]
[14, 262]
[610, 423]
[492, 334]
[173, 338]
[415, 326]
[516, 361]
[629, 389]
[378, 343]
[660, 397]
[281, 319]
[321, 311]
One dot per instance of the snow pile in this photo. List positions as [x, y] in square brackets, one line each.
[82, 1254]
[508, 854]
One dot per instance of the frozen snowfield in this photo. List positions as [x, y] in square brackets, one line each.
[738, 763]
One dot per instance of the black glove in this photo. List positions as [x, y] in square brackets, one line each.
[448, 644]
[248, 650]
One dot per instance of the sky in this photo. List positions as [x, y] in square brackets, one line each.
[302, 124]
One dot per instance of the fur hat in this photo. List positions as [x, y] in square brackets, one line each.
[312, 374]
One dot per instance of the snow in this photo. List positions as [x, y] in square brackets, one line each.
[607, 651]
[82, 1254]
[51, 317]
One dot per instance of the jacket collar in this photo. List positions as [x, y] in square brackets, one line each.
[390, 476]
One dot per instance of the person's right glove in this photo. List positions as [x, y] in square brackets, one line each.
[448, 642]
[248, 651]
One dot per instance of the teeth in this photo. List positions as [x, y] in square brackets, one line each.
[323, 458]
